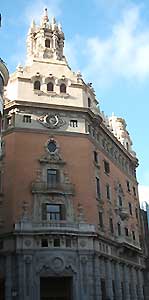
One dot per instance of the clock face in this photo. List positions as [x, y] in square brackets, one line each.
[52, 146]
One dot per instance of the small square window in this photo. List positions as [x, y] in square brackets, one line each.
[106, 167]
[73, 123]
[56, 242]
[68, 243]
[44, 243]
[26, 119]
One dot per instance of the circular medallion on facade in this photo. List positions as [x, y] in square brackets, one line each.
[57, 264]
[52, 120]
[52, 146]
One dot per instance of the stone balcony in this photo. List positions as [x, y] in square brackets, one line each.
[59, 188]
[126, 240]
[61, 227]
[122, 212]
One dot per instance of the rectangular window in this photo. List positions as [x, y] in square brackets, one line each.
[95, 157]
[100, 219]
[128, 185]
[113, 288]
[136, 211]
[133, 235]
[108, 192]
[89, 102]
[98, 188]
[26, 119]
[134, 191]
[68, 243]
[122, 288]
[119, 228]
[44, 243]
[106, 167]
[120, 202]
[73, 123]
[53, 212]
[56, 242]
[111, 225]
[52, 177]
[130, 208]
[9, 121]
[126, 231]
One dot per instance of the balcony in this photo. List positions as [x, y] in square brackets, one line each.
[55, 227]
[126, 240]
[123, 212]
[58, 188]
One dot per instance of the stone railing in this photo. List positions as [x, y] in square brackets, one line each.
[43, 187]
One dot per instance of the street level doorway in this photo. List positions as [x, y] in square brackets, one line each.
[55, 288]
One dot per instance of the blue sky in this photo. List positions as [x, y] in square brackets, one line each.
[108, 41]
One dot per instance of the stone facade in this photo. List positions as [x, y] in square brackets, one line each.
[69, 214]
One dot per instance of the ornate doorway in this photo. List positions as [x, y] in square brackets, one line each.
[56, 288]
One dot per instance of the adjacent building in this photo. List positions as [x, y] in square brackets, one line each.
[69, 209]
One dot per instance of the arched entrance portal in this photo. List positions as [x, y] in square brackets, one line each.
[56, 288]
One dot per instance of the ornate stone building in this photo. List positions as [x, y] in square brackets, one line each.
[69, 209]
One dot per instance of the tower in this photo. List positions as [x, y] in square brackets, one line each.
[69, 189]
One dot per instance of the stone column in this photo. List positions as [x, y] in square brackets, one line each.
[126, 283]
[109, 288]
[133, 282]
[118, 286]
[8, 280]
[97, 277]
[140, 285]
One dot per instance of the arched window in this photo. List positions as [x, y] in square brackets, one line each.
[47, 43]
[62, 88]
[50, 87]
[37, 85]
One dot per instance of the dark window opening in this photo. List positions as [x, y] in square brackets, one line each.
[128, 186]
[47, 43]
[106, 167]
[119, 228]
[126, 231]
[44, 243]
[133, 235]
[63, 88]
[134, 191]
[114, 290]
[97, 187]
[136, 210]
[122, 288]
[100, 219]
[50, 87]
[95, 157]
[68, 243]
[130, 208]
[120, 201]
[73, 123]
[111, 225]
[37, 85]
[108, 192]
[26, 119]
[89, 102]
[56, 242]
[9, 121]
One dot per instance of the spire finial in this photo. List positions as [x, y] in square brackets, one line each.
[45, 17]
